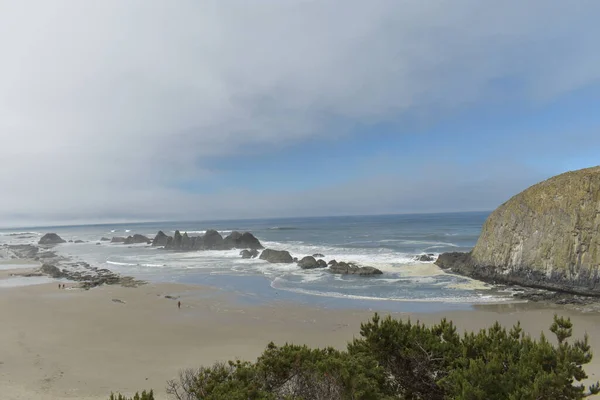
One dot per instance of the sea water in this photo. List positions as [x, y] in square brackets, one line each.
[388, 242]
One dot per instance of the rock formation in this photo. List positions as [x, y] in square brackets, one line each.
[308, 262]
[51, 238]
[276, 256]
[249, 253]
[118, 239]
[246, 240]
[352, 269]
[136, 239]
[547, 236]
[212, 240]
[160, 239]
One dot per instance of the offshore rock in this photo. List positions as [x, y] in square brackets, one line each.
[118, 239]
[276, 256]
[160, 239]
[547, 236]
[213, 240]
[51, 238]
[351, 269]
[308, 262]
[246, 240]
[135, 239]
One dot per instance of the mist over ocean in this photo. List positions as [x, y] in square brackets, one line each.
[388, 242]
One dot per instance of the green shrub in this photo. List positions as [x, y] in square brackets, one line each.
[144, 396]
[396, 359]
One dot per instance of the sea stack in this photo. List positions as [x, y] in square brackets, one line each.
[547, 236]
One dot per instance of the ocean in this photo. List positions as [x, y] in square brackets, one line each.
[387, 242]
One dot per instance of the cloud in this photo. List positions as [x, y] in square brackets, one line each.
[103, 105]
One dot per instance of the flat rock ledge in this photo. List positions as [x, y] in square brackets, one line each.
[587, 284]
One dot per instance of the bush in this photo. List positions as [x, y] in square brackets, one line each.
[396, 359]
[144, 396]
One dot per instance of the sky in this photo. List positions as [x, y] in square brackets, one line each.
[142, 110]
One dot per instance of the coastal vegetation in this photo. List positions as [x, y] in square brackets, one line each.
[395, 359]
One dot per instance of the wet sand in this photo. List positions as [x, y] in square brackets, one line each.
[75, 344]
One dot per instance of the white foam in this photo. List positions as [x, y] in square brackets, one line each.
[451, 300]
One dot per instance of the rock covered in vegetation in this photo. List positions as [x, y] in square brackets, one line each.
[51, 238]
[547, 236]
[276, 256]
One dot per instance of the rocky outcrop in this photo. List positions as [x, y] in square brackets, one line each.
[118, 239]
[79, 241]
[425, 257]
[213, 240]
[308, 262]
[547, 236]
[104, 239]
[136, 239]
[51, 238]
[318, 255]
[249, 253]
[52, 271]
[276, 256]
[160, 239]
[246, 240]
[352, 269]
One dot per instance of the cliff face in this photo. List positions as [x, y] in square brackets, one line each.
[549, 233]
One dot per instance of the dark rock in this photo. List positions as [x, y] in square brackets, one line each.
[70, 241]
[308, 262]
[321, 264]
[332, 262]
[98, 243]
[317, 255]
[238, 240]
[276, 256]
[118, 239]
[104, 239]
[52, 270]
[249, 253]
[213, 240]
[171, 297]
[79, 241]
[136, 239]
[295, 259]
[118, 301]
[25, 250]
[424, 257]
[351, 269]
[160, 239]
[51, 238]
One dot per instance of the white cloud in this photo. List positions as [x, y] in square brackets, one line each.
[104, 104]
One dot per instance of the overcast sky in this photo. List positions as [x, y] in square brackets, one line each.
[123, 110]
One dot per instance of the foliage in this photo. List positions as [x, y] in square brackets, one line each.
[396, 359]
[144, 396]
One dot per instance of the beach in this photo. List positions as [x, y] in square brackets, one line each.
[82, 344]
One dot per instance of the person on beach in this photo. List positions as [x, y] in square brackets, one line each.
[178, 304]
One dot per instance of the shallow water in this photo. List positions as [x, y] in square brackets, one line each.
[385, 242]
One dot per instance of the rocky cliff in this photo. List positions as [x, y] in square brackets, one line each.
[547, 236]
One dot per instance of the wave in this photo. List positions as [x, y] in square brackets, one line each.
[19, 233]
[125, 264]
[478, 299]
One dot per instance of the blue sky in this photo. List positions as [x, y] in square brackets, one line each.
[147, 110]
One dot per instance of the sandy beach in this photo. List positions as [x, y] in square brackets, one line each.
[75, 344]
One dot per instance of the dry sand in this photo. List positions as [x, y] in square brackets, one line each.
[73, 344]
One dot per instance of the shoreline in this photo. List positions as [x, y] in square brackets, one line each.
[82, 344]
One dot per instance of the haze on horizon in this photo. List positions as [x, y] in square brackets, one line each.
[188, 110]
